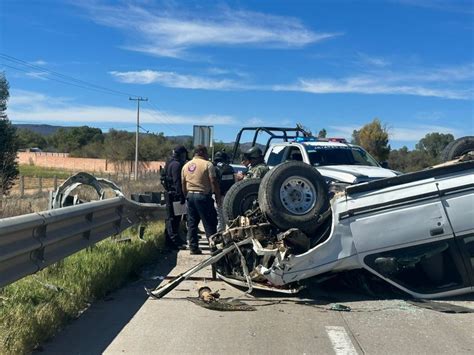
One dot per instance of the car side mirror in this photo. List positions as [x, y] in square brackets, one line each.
[384, 164]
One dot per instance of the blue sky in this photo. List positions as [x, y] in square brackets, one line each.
[332, 64]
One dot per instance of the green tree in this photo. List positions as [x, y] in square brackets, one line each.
[355, 137]
[433, 144]
[8, 141]
[73, 139]
[406, 161]
[155, 147]
[373, 137]
[322, 133]
[30, 139]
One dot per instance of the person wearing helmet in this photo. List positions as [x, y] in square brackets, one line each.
[253, 160]
[226, 178]
[174, 193]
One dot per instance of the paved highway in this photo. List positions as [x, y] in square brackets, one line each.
[130, 322]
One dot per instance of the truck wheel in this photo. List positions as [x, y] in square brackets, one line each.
[457, 148]
[240, 198]
[294, 195]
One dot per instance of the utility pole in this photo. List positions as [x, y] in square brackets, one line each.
[137, 99]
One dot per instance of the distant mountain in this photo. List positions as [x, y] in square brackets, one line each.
[44, 129]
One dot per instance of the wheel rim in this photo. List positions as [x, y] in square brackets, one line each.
[298, 195]
[247, 202]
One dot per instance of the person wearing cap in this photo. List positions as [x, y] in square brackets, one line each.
[174, 193]
[199, 180]
[226, 178]
[254, 161]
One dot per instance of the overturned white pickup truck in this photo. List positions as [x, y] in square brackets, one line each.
[415, 231]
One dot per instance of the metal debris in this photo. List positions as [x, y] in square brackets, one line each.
[340, 308]
[443, 307]
[225, 305]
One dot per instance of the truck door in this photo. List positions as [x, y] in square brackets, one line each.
[457, 196]
[407, 240]
[275, 155]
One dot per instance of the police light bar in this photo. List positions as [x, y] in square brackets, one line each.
[305, 139]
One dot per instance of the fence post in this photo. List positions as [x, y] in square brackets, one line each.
[40, 184]
[55, 182]
[22, 186]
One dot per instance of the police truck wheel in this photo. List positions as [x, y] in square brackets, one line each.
[240, 198]
[457, 148]
[294, 195]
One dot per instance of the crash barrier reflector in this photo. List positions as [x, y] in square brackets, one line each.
[29, 243]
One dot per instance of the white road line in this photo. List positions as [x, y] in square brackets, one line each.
[341, 342]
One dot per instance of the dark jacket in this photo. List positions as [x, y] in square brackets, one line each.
[173, 173]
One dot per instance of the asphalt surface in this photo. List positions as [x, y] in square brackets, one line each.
[130, 322]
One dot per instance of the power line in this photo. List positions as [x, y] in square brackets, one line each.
[162, 118]
[71, 80]
[59, 81]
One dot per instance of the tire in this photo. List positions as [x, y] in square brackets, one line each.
[240, 198]
[294, 195]
[457, 148]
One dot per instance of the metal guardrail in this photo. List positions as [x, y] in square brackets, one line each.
[29, 243]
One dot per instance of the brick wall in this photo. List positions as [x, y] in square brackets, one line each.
[64, 161]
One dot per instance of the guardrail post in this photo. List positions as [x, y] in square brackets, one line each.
[22, 186]
[55, 183]
[40, 184]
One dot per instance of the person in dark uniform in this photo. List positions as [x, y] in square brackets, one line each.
[199, 181]
[174, 193]
[226, 178]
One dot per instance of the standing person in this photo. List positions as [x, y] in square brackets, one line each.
[199, 181]
[174, 193]
[226, 178]
[254, 161]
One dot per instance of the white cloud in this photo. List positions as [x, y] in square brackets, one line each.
[171, 32]
[464, 7]
[416, 132]
[175, 80]
[39, 62]
[447, 83]
[424, 83]
[37, 75]
[36, 107]
[407, 133]
[373, 61]
[254, 121]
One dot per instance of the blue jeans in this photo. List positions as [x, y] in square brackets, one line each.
[200, 207]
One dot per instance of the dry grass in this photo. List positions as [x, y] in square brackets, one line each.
[14, 206]
[34, 201]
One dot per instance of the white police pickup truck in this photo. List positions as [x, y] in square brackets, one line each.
[335, 159]
[340, 164]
